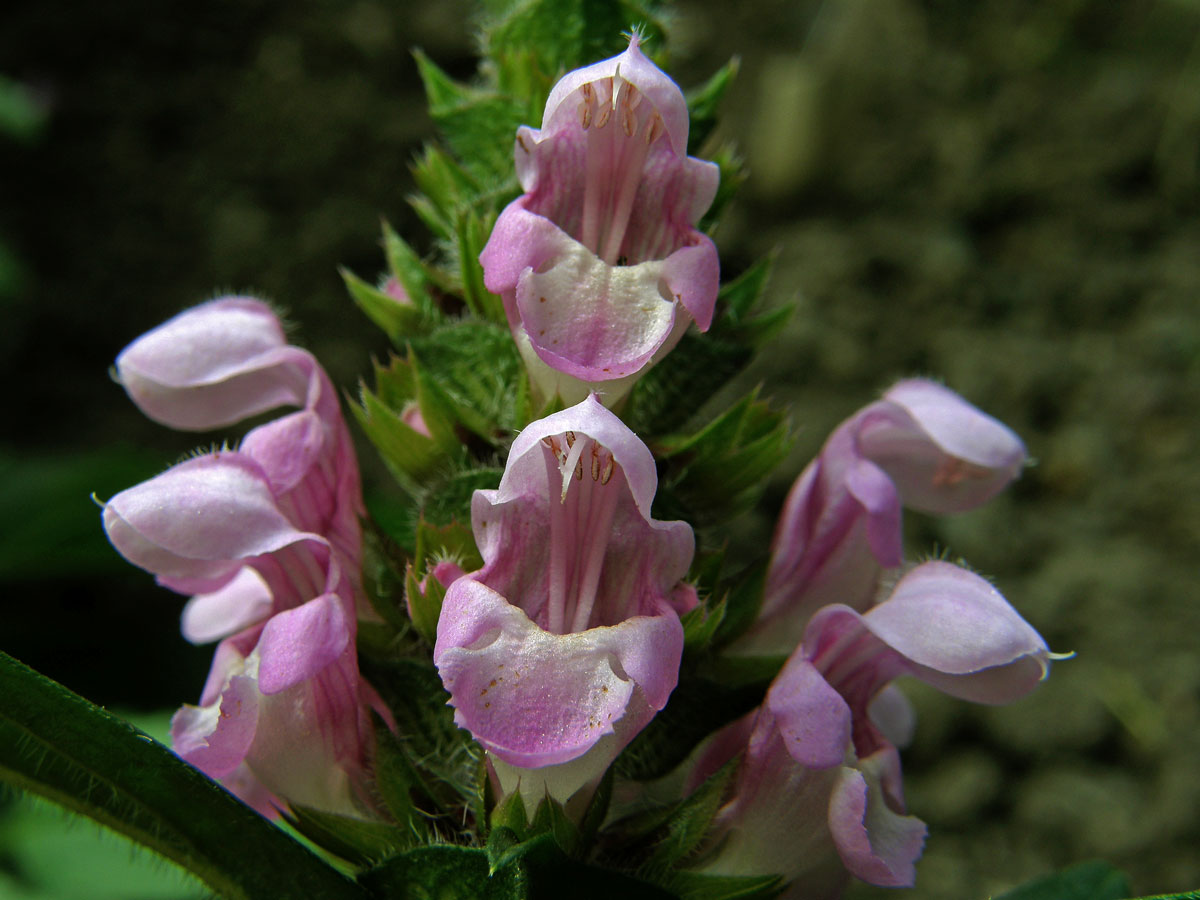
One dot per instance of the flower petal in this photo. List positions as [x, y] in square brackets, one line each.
[876, 844]
[216, 738]
[942, 624]
[199, 519]
[298, 643]
[944, 454]
[813, 719]
[591, 320]
[212, 365]
[244, 601]
[535, 698]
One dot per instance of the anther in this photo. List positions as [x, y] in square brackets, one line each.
[579, 470]
[607, 474]
[653, 129]
[595, 464]
[570, 436]
[629, 120]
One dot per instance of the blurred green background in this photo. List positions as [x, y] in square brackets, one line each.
[1002, 194]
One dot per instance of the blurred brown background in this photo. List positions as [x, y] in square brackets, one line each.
[1001, 194]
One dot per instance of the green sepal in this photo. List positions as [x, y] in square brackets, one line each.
[58, 745]
[721, 470]
[408, 454]
[739, 317]
[426, 605]
[553, 819]
[681, 831]
[383, 569]
[395, 780]
[408, 269]
[448, 763]
[743, 602]
[1095, 880]
[472, 231]
[450, 502]
[454, 541]
[698, 706]
[436, 408]
[445, 187]
[477, 370]
[732, 176]
[397, 320]
[665, 398]
[700, 625]
[360, 842]
[508, 816]
[702, 103]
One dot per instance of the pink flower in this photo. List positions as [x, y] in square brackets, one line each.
[818, 792]
[599, 263]
[568, 640]
[921, 446]
[267, 539]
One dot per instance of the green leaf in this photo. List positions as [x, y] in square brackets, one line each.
[56, 744]
[446, 873]
[37, 836]
[1094, 880]
[396, 319]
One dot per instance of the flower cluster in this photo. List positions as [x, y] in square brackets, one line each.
[572, 628]
[267, 540]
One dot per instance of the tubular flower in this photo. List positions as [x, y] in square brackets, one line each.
[920, 446]
[568, 640]
[818, 794]
[266, 538]
[599, 263]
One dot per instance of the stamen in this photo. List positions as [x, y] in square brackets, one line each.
[654, 128]
[607, 474]
[570, 464]
[595, 464]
